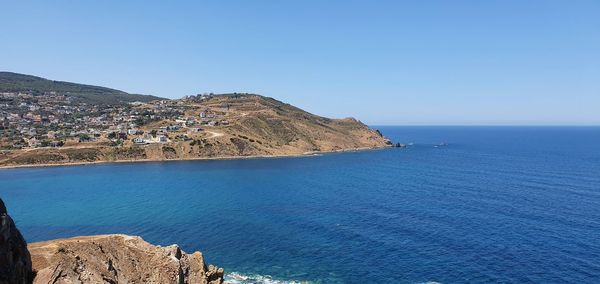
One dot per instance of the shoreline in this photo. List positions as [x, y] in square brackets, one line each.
[306, 154]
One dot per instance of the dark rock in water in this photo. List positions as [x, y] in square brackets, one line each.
[15, 261]
[399, 145]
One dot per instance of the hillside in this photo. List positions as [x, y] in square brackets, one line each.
[15, 82]
[264, 126]
[197, 127]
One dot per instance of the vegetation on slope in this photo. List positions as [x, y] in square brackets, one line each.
[15, 82]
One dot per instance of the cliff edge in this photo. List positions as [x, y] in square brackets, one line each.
[97, 259]
[118, 259]
[15, 261]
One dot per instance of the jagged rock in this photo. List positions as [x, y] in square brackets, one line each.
[118, 259]
[15, 261]
[97, 259]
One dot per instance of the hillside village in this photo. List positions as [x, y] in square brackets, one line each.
[51, 120]
[44, 122]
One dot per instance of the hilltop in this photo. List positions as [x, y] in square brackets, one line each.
[53, 130]
[37, 86]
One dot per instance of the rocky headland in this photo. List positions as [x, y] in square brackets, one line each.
[97, 259]
[45, 122]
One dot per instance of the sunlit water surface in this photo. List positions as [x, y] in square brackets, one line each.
[462, 204]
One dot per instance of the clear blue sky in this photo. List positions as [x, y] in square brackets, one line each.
[384, 62]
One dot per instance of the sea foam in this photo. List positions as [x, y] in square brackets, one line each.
[240, 278]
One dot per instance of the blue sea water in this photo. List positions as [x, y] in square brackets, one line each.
[461, 204]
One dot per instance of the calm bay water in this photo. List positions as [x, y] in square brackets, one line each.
[496, 204]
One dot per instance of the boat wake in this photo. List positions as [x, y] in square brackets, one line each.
[239, 278]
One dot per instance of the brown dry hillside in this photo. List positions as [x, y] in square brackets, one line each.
[218, 126]
[265, 126]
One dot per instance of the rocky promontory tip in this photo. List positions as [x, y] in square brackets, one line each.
[97, 259]
[118, 259]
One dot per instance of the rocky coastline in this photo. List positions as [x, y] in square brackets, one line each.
[97, 259]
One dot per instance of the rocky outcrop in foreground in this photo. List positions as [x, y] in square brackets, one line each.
[97, 259]
[15, 262]
[118, 259]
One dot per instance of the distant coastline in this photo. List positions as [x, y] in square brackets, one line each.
[307, 154]
[49, 123]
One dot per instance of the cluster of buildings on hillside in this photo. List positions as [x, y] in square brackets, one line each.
[49, 120]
